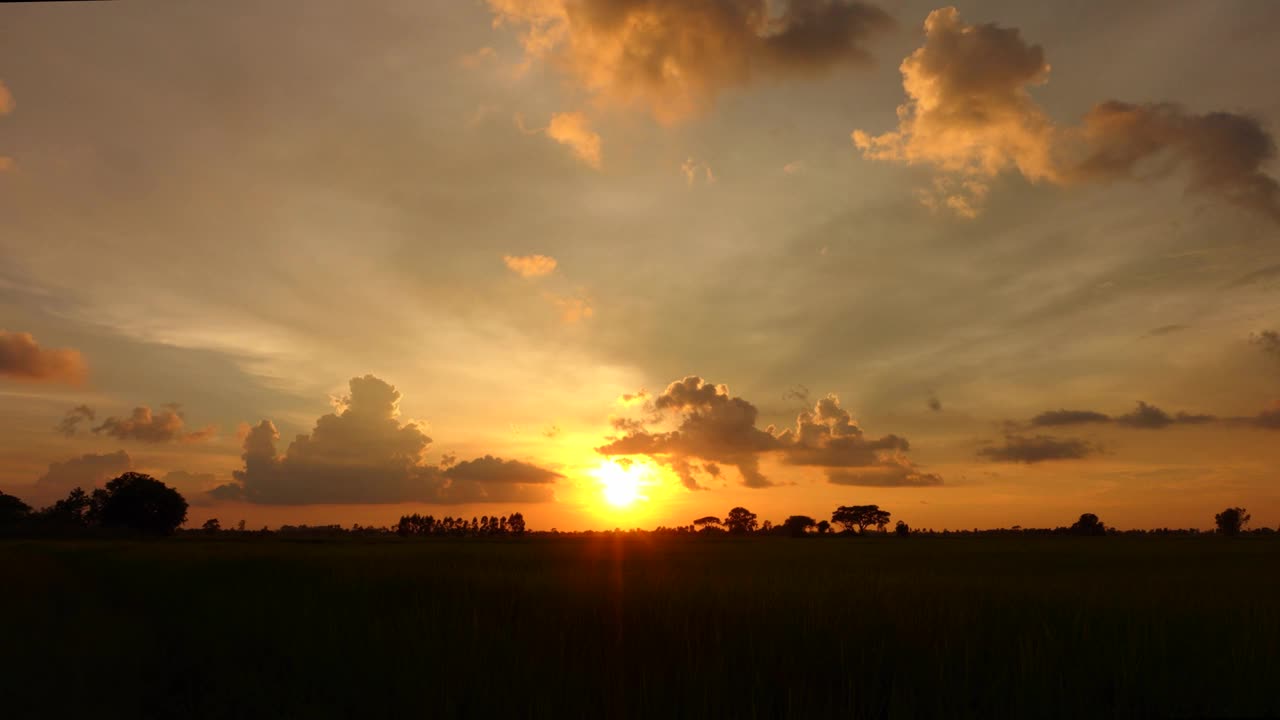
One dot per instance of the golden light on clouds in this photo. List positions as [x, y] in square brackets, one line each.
[573, 130]
[530, 266]
[673, 58]
[969, 115]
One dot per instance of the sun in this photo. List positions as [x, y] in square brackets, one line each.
[621, 483]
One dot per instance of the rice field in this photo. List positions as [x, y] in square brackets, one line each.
[635, 627]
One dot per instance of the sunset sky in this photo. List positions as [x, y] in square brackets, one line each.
[625, 263]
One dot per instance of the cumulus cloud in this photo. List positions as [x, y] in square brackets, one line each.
[1038, 448]
[530, 266]
[22, 358]
[673, 58]
[970, 115]
[363, 454]
[70, 423]
[718, 428]
[144, 425]
[86, 471]
[573, 130]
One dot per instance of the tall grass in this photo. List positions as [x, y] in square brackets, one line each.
[625, 627]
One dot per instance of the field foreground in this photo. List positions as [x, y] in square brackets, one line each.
[646, 628]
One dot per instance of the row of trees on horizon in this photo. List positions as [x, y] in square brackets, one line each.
[138, 503]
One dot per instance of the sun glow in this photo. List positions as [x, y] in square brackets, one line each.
[621, 482]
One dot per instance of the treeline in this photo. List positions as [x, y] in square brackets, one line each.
[485, 526]
[131, 503]
[139, 504]
[858, 520]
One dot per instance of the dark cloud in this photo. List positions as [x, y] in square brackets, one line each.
[1268, 419]
[1144, 416]
[889, 475]
[144, 425]
[969, 114]
[491, 479]
[1166, 330]
[1038, 448]
[70, 423]
[674, 57]
[1052, 418]
[364, 454]
[720, 429]
[1150, 417]
[1268, 341]
[22, 358]
[934, 403]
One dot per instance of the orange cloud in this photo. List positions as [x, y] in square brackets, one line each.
[573, 129]
[22, 358]
[529, 266]
[143, 425]
[6, 99]
[674, 57]
[970, 115]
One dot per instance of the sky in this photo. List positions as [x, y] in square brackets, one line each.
[615, 263]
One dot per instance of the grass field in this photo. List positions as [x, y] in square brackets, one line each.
[628, 627]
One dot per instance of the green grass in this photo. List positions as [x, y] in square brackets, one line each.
[754, 628]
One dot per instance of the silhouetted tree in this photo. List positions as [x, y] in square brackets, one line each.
[902, 529]
[861, 517]
[824, 527]
[1231, 521]
[1088, 524]
[211, 525]
[13, 512]
[139, 502]
[516, 524]
[740, 521]
[75, 511]
[708, 524]
[798, 525]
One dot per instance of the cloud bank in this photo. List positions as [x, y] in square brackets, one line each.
[713, 426]
[364, 454]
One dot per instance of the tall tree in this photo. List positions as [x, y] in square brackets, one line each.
[740, 521]
[860, 517]
[139, 502]
[1232, 520]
